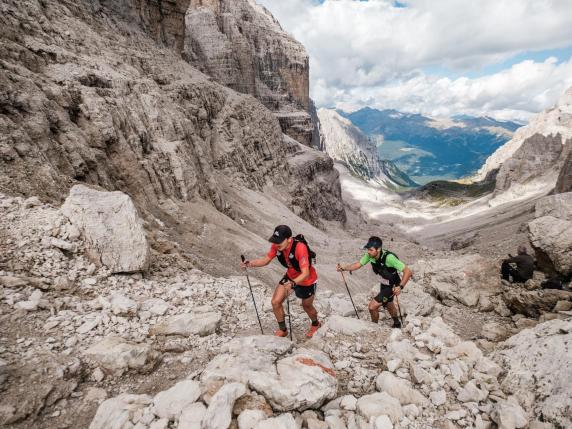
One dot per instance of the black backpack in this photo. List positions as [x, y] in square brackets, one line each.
[388, 273]
[292, 255]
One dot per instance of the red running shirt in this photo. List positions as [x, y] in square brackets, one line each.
[301, 255]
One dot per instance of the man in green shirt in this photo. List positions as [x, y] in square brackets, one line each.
[388, 266]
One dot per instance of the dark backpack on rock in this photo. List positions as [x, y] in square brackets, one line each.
[551, 284]
[299, 239]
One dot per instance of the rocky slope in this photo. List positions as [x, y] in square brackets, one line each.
[89, 96]
[533, 152]
[347, 144]
[83, 347]
[241, 45]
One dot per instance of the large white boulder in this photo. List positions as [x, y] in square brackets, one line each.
[170, 403]
[537, 363]
[551, 232]
[244, 358]
[117, 355]
[116, 413]
[346, 326]
[288, 382]
[111, 228]
[399, 388]
[553, 237]
[509, 415]
[463, 279]
[122, 305]
[219, 413]
[378, 404]
[192, 416]
[303, 380]
[248, 419]
[189, 324]
[283, 421]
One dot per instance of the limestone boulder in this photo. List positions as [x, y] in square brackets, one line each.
[399, 388]
[111, 228]
[537, 364]
[533, 303]
[552, 237]
[192, 416]
[283, 421]
[219, 412]
[118, 412]
[197, 323]
[303, 380]
[298, 381]
[118, 355]
[122, 305]
[509, 415]
[463, 279]
[346, 326]
[551, 233]
[170, 403]
[378, 404]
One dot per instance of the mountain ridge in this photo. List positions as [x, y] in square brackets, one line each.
[345, 143]
[432, 148]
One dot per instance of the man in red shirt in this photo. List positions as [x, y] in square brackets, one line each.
[300, 277]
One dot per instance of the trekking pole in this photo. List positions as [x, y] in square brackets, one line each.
[283, 282]
[349, 293]
[289, 315]
[253, 300]
[399, 309]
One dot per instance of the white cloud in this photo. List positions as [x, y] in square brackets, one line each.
[372, 53]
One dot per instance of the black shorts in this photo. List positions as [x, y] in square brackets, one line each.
[385, 295]
[302, 292]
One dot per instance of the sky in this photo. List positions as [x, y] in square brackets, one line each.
[508, 59]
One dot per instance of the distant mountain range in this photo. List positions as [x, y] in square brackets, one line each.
[428, 148]
[345, 143]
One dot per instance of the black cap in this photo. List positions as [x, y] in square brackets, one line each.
[281, 233]
[373, 241]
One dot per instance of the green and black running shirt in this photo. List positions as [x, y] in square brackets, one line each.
[391, 261]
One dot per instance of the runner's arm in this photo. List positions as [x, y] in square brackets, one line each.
[303, 275]
[407, 273]
[355, 266]
[260, 262]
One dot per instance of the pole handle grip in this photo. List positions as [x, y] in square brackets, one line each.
[242, 258]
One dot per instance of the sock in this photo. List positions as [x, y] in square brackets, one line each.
[282, 325]
[315, 323]
[395, 319]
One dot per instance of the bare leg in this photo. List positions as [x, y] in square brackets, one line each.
[277, 300]
[392, 308]
[373, 308]
[308, 306]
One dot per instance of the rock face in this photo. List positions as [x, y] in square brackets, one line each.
[551, 233]
[150, 125]
[346, 143]
[564, 183]
[111, 228]
[242, 46]
[554, 121]
[537, 157]
[538, 370]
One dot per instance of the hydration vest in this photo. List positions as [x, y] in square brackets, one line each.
[292, 255]
[388, 273]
